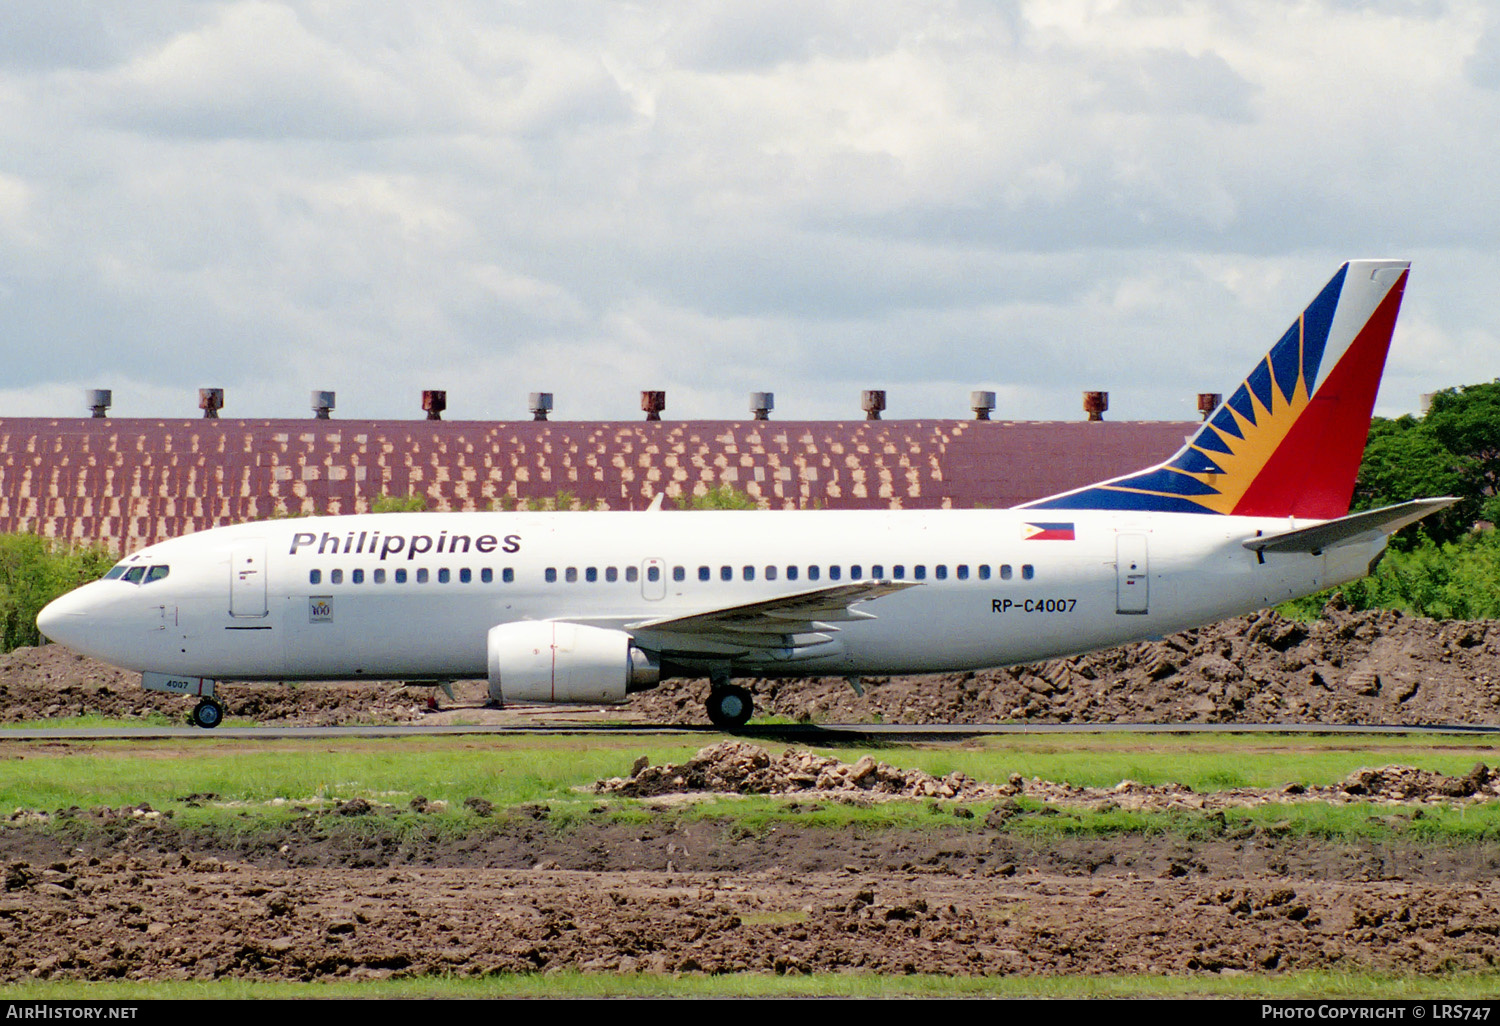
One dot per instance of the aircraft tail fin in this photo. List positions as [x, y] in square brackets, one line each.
[1288, 441]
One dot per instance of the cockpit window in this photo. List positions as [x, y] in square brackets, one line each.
[117, 571]
[156, 573]
[134, 574]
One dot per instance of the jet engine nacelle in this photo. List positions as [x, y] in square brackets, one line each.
[551, 661]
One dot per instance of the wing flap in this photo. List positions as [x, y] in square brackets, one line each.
[772, 623]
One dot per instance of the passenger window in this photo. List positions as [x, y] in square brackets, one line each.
[571, 575]
[962, 571]
[611, 575]
[422, 575]
[632, 574]
[919, 572]
[401, 575]
[465, 576]
[748, 573]
[877, 571]
[1027, 571]
[357, 576]
[551, 575]
[591, 574]
[653, 574]
[1005, 571]
[726, 573]
[984, 572]
[791, 573]
[705, 574]
[315, 577]
[156, 573]
[508, 575]
[380, 576]
[444, 576]
[336, 577]
[833, 573]
[679, 573]
[856, 572]
[770, 573]
[940, 572]
[812, 573]
[486, 575]
[898, 572]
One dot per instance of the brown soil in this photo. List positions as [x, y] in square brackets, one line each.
[128, 893]
[341, 892]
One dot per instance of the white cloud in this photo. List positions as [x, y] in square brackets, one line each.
[712, 198]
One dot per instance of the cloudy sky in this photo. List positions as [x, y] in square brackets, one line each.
[717, 196]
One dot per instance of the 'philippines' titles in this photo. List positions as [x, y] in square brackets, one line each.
[372, 542]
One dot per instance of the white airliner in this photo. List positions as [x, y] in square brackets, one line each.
[589, 607]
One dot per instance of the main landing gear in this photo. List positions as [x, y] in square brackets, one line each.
[208, 713]
[729, 705]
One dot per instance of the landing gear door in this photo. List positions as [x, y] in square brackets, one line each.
[247, 579]
[1132, 574]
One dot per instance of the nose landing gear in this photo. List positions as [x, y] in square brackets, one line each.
[208, 713]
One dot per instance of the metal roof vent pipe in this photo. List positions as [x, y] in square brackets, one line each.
[434, 401]
[872, 401]
[1208, 402]
[1095, 403]
[210, 401]
[981, 403]
[761, 404]
[653, 403]
[99, 400]
[539, 403]
[322, 404]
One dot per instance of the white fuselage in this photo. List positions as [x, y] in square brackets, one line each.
[320, 598]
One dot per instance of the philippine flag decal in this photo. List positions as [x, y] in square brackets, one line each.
[1047, 532]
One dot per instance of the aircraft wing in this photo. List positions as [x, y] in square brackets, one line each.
[1355, 528]
[773, 622]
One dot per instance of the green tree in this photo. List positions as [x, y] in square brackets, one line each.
[33, 572]
[416, 502]
[726, 496]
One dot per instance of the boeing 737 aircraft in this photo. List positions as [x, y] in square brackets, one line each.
[590, 607]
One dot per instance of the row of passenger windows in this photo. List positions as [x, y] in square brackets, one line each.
[609, 574]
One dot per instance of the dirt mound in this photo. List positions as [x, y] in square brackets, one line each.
[1369, 667]
[736, 767]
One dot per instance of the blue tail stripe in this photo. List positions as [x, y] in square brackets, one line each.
[1319, 320]
[1241, 403]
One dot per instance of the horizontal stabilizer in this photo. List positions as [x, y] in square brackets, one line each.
[1350, 530]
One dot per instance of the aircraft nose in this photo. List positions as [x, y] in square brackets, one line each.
[61, 620]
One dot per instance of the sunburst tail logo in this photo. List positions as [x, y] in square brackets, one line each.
[1288, 441]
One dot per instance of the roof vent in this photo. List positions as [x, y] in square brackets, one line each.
[322, 404]
[1095, 403]
[210, 401]
[872, 401]
[761, 404]
[653, 403]
[434, 401]
[99, 400]
[981, 403]
[539, 403]
[1208, 402]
